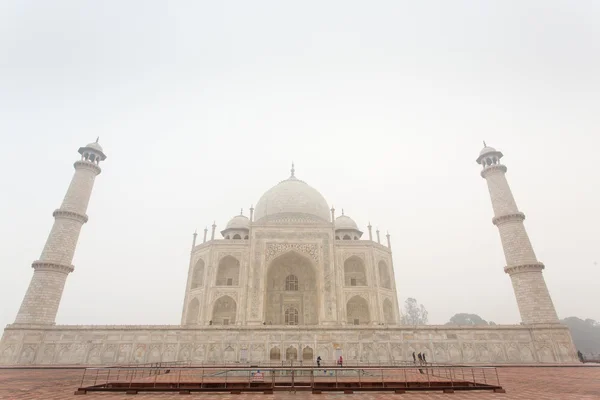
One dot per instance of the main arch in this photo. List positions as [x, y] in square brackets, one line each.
[291, 297]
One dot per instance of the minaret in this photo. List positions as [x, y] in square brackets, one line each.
[41, 301]
[533, 299]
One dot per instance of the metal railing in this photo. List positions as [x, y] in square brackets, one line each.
[294, 376]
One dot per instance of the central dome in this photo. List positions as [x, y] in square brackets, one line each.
[293, 200]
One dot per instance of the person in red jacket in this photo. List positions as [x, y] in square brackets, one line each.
[341, 361]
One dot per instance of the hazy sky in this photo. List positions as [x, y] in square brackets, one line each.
[383, 106]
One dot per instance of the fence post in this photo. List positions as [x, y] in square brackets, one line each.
[359, 382]
[83, 377]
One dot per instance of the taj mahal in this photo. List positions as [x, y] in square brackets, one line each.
[286, 282]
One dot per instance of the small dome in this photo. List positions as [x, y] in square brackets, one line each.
[345, 222]
[95, 146]
[238, 222]
[487, 149]
[295, 197]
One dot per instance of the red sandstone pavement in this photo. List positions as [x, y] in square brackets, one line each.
[528, 383]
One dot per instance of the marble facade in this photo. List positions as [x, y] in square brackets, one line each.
[289, 282]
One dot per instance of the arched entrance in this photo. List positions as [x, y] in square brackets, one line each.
[224, 311]
[357, 310]
[292, 295]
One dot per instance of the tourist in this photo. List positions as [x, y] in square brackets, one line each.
[424, 359]
[414, 358]
[341, 361]
[318, 361]
[420, 358]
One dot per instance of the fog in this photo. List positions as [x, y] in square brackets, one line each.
[383, 106]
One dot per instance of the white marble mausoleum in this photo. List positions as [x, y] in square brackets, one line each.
[289, 281]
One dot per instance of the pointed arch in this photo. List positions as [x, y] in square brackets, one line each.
[291, 354]
[224, 311]
[228, 272]
[357, 311]
[198, 275]
[193, 310]
[355, 272]
[307, 354]
[384, 275]
[291, 316]
[291, 282]
[388, 312]
[275, 354]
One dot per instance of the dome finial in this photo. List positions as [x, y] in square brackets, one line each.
[342, 211]
[484, 145]
[98, 138]
[241, 211]
[293, 171]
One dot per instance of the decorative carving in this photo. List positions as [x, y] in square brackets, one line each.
[517, 269]
[220, 293]
[494, 168]
[275, 249]
[347, 255]
[257, 271]
[87, 165]
[351, 294]
[82, 218]
[518, 216]
[50, 266]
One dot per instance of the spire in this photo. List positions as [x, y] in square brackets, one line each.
[342, 211]
[214, 226]
[194, 240]
[484, 145]
[370, 232]
[98, 138]
[293, 171]
[205, 232]
[251, 212]
[241, 211]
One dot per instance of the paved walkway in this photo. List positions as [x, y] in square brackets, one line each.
[526, 383]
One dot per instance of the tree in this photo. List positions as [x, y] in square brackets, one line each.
[467, 319]
[585, 334]
[414, 314]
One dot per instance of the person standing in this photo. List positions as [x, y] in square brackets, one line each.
[318, 361]
[341, 361]
[414, 358]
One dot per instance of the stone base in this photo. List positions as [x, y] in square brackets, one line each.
[126, 344]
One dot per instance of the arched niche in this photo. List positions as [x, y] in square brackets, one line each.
[357, 311]
[355, 272]
[275, 354]
[228, 273]
[198, 274]
[388, 312]
[193, 311]
[291, 283]
[384, 275]
[224, 311]
[307, 354]
[291, 354]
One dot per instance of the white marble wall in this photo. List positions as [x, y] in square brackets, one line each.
[109, 345]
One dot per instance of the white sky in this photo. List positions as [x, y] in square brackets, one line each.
[201, 107]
